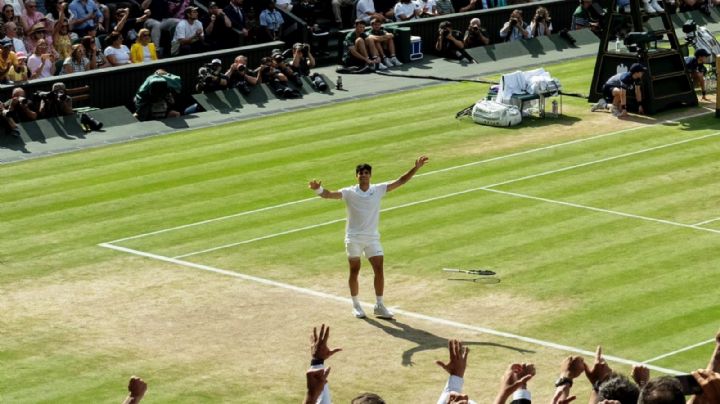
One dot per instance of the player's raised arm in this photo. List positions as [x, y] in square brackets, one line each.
[408, 175]
[317, 187]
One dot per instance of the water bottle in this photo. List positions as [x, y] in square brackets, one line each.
[555, 111]
[617, 44]
[338, 83]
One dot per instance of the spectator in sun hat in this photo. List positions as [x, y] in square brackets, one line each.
[8, 59]
[19, 73]
[695, 67]
[35, 34]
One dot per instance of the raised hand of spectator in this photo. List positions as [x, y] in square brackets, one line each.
[600, 369]
[458, 358]
[641, 375]
[572, 367]
[709, 381]
[714, 364]
[316, 380]
[457, 398]
[515, 377]
[318, 348]
[137, 388]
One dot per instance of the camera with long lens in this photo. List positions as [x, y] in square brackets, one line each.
[90, 122]
[445, 32]
[52, 96]
[474, 28]
[513, 22]
[539, 19]
[318, 82]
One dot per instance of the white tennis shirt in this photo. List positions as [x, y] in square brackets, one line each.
[363, 210]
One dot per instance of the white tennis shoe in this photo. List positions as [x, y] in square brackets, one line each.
[382, 312]
[358, 312]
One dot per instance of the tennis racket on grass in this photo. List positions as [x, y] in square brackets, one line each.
[484, 280]
[480, 272]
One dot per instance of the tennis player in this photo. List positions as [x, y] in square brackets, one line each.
[361, 230]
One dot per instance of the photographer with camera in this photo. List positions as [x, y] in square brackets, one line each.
[210, 77]
[289, 72]
[515, 28]
[275, 79]
[154, 99]
[19, 107]
[695, 67]
[541, 23]
[240, 77]
[475, 35]
[302, 59]
[448, 44]
[56, 102]
[615, 91]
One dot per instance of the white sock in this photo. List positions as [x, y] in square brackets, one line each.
[379, 300]
[355, 301]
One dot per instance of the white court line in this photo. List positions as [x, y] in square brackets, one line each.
[417, 175]
[481, 188]
[707, 221]
[347, 301]
[612, 212]
[606, 159]
[687, 348]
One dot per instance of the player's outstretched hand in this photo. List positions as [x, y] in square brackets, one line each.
[421, 161]
[314, 184]
[458, 358]
[318, 344]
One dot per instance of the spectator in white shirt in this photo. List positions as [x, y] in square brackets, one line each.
[366, 11]
[189, 34]
[428, 8]
[406, 10]
[117, 53]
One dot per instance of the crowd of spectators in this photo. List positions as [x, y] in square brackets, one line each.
[607, 385]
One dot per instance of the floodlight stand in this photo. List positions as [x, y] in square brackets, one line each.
[665, 84]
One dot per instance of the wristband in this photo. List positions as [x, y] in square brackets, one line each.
[564, 381]
[315, 362]
[320, 190]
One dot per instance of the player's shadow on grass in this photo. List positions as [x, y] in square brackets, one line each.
[425, 340]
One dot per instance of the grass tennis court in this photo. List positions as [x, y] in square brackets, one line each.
[602, 231]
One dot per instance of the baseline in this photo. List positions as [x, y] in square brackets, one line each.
[687, 348]
[344, 300]
[442, 170]
[488, 188]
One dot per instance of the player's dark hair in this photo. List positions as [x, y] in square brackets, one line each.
[363, 166]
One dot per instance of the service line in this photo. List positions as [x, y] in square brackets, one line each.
[442, 170]
[488, 188]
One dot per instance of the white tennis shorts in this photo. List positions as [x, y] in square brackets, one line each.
[369, 247]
